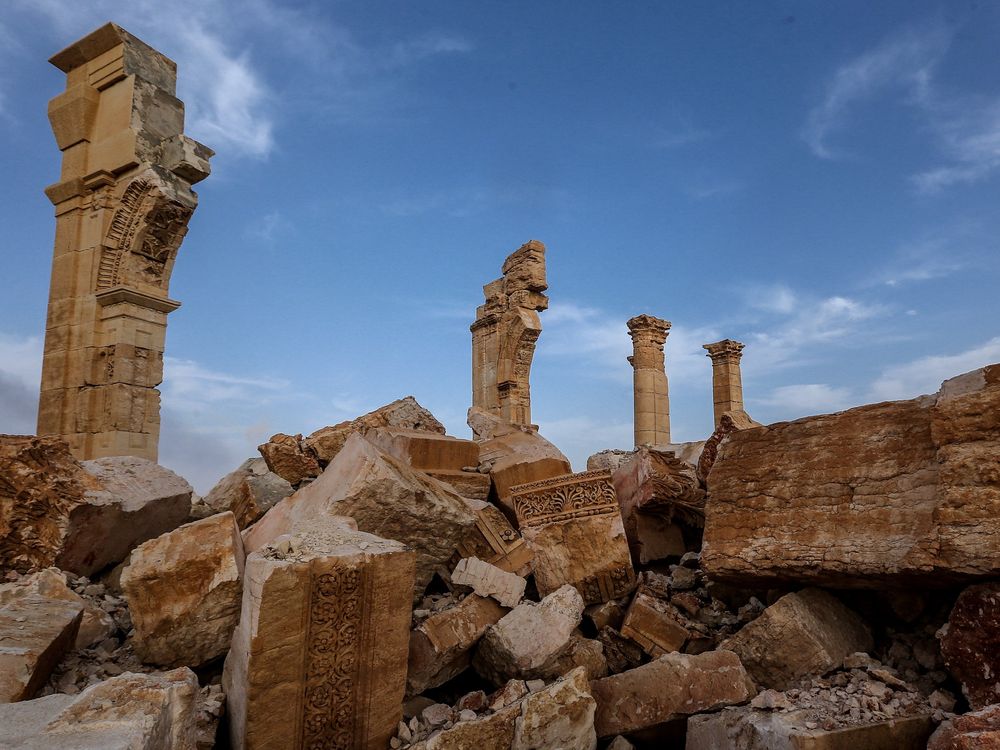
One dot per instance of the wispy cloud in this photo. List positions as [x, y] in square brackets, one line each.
[970, 130]
[924, 260]
[793, 401]
[924, 375]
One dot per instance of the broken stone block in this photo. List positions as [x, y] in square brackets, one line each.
[494, 540]
[583, 652]
[249, 492]
[561, 715]
[660, 497]
[441, 646]
[427, 451]
[970, 644]
[574, 528]
[608, 460]
[621, 653]
[519, 456]
[667, 688]
[808, 632]
[898, 492]
[184, 591]
[750, 729]
[654, 624]
[385, 497]
[39, 620]
[290, 458]
[530, 638]
[620, 743]
[81, 518]
[489, 580]
[605, 614]
[977, 730]
[323, 634]
[402, 414]
[128, 711]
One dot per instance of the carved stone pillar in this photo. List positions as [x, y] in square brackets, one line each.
[504, 335]
[122, 206]
[727, 383]
[649, 380]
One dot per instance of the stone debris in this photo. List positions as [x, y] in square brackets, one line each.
[248, 492]
[667, 688]
[494, 540]
[125, 711]
[970, 644]
[184, 590]
[574, 528]
[288, 457]
[312, 614]
[489, 580]
[385, 497]
[39, 620]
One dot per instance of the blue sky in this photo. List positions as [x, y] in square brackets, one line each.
[818, 180]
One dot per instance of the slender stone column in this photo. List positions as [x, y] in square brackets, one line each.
[122, 206]
[727, 383]
[649, 380]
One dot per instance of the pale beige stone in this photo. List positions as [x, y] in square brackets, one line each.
[249, 492]
[320, 653]
[574, 528]
[897, 492]
[530, 638]
[727, 380]
[39, 621]
[131, 711]
[122, 208]
[655, 625]
[560, 716]
[519, 456]
[673, 686]
[184, 591]
[441, 646]
[489, 580]
[385, 497]
[494, 540]
[808, 632]
[649, 379]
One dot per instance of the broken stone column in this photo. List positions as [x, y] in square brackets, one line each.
[573, 525]
[319, 657]
[727, 382]
[504, 336]
[122, 207]
[649, 380]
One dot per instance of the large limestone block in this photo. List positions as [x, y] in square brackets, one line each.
[426, 450]
[386, 497]
[288, 457]
[39, 620]
[749, 729]
[970, 644]
[654, 624]
[128, 712]
[808, 632]
[441, 646]
[184, 591]
[518, 456]
[560, 716]
[319, 657]
[892, 492]
[489, 580]
[977, 730]
[574, 528]
[673, 686]
[530, 638]
[249, 492]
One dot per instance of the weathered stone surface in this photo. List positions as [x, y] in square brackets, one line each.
[385, 497]
[970, 644]
[289, 458]
[184, 591]
[130, 711]
[891, 492]
[39, 620]
[494, 540]
[583, 652]
[402, 414]
[468, 484]
[728, 423]
[658, 495]
[808, 632]
[655, 625]
[608, 460]
[530, 638]
[489, 580]
[620, 652]
[425, 450]
[441, 646]
[323, 635]
[560, 716]
[492, 732]
[574, 528]
[649, 380]
[978, 730]
[672, 686]
[248, 492]
[749, 729]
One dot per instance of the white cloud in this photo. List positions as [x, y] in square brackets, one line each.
[924, 260]
[581, 436]
[792, 401]
[970, 129]
[776, 298]
[925, 375]
[20, 375]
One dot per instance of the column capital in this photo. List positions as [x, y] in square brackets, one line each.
[725, 349]
[646, 325]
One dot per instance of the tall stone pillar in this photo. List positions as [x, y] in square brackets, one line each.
[649, 380]
[122, 206]
[504, 335]
[727, 383]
